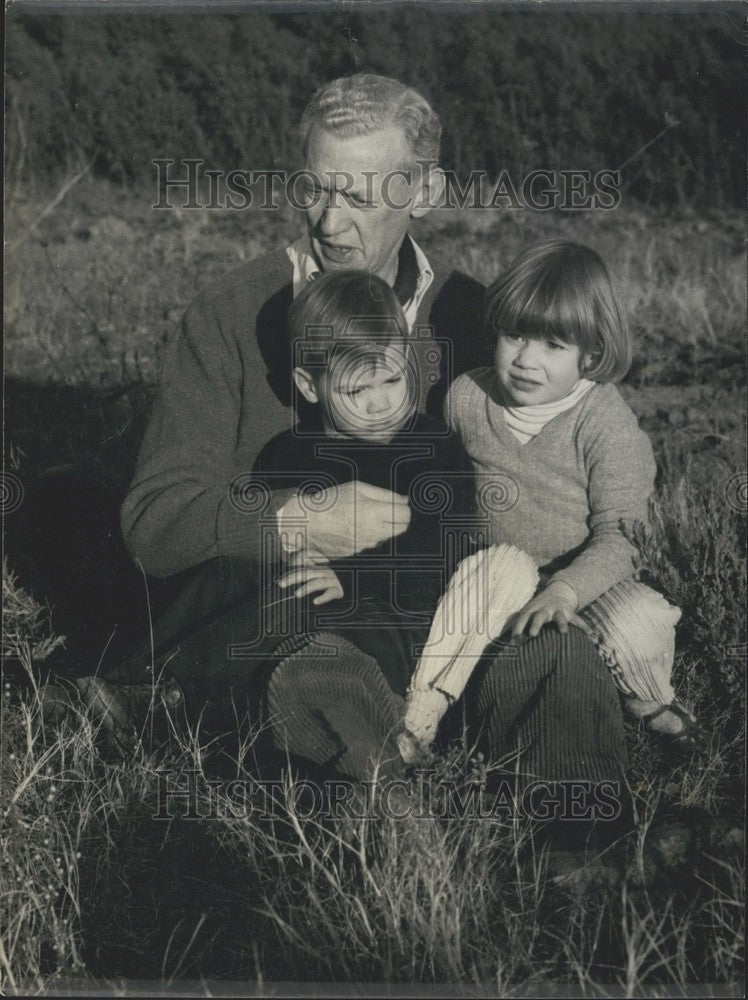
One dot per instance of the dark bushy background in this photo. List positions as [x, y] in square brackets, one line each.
[517, 89]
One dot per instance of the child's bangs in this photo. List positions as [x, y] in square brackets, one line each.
[551, 310]
[562, 291]
[369, 352]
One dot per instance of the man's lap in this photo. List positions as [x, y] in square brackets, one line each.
[222, 635]
[551, 692]
[551, 700]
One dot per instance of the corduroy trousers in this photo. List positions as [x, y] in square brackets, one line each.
[547, 706]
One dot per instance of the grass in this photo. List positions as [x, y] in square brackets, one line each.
[99, 893]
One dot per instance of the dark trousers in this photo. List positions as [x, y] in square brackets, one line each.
[549, 708]
[546, 706]
[221, 637]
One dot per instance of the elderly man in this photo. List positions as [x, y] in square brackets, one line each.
[227, 377]
[371, 147]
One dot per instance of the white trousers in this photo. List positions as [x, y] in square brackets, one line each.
[634, 629]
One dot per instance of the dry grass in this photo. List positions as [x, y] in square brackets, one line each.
[102, 891]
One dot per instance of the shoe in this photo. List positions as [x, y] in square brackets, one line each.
[58, 700]
[579, 871]
[122, 711]
[330, 703]
[690, 737]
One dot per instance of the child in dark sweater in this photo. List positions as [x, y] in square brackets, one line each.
[357, 384]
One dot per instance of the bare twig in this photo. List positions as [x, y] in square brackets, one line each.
[21, 141]
[66, 187]
[669, 123]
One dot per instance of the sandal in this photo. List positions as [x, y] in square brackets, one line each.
[690, 737]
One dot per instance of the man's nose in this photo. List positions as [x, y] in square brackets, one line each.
[333, 218]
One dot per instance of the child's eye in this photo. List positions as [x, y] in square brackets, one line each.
[555, 346]
[394, 380]
[512, 336]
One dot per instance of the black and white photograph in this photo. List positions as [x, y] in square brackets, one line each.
[374, 499]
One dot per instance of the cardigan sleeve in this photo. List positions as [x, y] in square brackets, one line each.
[182, 508]
[621, 469]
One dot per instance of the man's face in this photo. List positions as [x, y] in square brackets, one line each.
[537, 370]
[354, 216]
[368, 399]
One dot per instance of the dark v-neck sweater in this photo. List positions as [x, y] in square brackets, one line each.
[423, 461]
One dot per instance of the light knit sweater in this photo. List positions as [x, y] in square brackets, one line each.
[562, 496]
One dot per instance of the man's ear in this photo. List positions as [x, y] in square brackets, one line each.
[305, 385]
[431, 188]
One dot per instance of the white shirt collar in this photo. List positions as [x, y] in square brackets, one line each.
[306, 268]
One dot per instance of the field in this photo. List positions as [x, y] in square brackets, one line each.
[98, 893]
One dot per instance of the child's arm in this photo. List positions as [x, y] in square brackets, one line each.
[620, 470]
[459, 415]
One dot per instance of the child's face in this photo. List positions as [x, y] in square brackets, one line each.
[537, 370]
[368, 401]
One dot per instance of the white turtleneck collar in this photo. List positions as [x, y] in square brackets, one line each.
[525, 422]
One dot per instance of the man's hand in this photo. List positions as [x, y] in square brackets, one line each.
[361, 517]
[314, 578]
[556, 603]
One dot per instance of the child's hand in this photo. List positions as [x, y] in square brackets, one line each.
[314, 578]
[556, 603]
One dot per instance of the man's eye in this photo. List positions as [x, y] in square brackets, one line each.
[513, 336]
[394, 380]
[353, 392]
[359, 202]
[555, 346]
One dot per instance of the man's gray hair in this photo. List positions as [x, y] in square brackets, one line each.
[363, 103]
